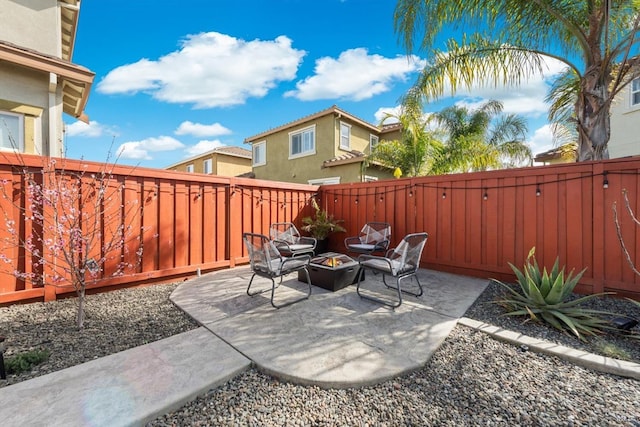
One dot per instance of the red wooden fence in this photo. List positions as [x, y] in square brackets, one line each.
[478, 223]
[188, 222]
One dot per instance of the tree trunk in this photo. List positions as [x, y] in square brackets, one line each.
[592, 109]
[81, 299]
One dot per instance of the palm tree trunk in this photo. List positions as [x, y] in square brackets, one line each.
[592, 109]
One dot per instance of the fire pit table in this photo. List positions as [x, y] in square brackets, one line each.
[331, 271]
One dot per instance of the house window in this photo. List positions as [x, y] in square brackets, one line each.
[635, 92]
[373, 141]
[11, 131]
[345, 136]
[190, 168]
[302, 142]
[207, 166]
[260, 153]
[324, 181]
[369, 178]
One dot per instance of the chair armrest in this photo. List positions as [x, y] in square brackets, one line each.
[382, 245]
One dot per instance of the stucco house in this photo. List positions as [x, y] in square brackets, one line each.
[625, 122]
[38, 81]
[327, 147]
[224, 161]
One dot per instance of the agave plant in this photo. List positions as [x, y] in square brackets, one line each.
[546, 295]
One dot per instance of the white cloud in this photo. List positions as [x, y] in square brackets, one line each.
[209, 70]
[203, 147]
[91, 130]
[355, 75]
[542, 140]
[200, 130]
[383, 111]
[141, 149]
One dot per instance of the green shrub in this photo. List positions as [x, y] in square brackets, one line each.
[546, 295]
[24, 362]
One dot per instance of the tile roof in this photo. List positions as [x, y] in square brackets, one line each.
[343, 159]
[566, 151]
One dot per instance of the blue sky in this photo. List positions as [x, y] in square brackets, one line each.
[173, 80]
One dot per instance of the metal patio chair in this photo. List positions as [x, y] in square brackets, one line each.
[288, 240]
[374, 237]
[266, 261]
[400, 263]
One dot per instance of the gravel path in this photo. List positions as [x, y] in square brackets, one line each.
[472, 380]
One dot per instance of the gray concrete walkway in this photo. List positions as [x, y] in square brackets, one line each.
[334, 339]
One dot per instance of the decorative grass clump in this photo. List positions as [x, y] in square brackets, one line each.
[546, 296]
[24, 362]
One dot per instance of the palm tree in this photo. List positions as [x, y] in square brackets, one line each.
[596, 39]
[411, 154]
[481, 139]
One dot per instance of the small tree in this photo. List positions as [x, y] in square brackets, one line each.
[75, 225]
[619, 229]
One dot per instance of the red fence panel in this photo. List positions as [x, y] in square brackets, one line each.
[480, 222]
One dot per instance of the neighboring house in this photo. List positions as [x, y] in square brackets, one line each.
[38, 81]
[625, 122]
[323, 148]
[567, 153]
[224, 161]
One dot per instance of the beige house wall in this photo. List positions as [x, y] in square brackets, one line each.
[625, 126]
[222, 164]
[230, 166]
[24, 91]
[33, 24]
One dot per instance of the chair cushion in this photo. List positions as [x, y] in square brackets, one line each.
[383, 265]
[300, 247]
[362, 247]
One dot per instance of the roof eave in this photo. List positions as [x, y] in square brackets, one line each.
[76, 80]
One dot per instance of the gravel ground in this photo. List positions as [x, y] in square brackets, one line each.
[115, 321]
[472, 380]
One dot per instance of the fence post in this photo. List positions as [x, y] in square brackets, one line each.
[598, 228]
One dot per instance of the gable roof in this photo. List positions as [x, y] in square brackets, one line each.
[227, 150]
[76, 80]
[331, 110]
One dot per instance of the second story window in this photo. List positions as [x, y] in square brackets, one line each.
[635, 92]
[11, 131]
[302, 142]
[259, 153]
[207, 166]
[190, 168]
[345, 136]
[373, 141]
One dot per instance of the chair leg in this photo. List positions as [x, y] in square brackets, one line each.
[296, 300]
[262, 290]
[378, 300]
[415, 294]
